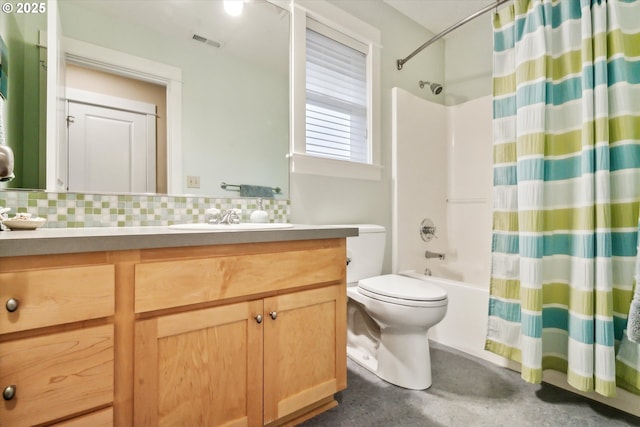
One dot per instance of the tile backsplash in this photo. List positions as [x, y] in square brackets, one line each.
[74, 210]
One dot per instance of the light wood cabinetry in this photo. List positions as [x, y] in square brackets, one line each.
[274, 356]
[200, 368]
[56, 340]
[304, 350]
[220, 335]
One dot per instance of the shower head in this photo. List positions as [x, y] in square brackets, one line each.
[436, 88]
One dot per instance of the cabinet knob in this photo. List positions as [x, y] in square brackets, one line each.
[11, 305]
[259, 318]
[273, 315]
[9, 392]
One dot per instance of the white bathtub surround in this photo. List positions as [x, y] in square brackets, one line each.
[419, 178]
[441, 164]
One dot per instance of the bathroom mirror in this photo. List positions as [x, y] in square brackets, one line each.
[233, 80]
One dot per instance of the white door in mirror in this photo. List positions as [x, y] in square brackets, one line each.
[110, 150]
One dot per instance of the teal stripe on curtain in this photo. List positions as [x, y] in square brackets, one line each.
[566, 190]
[505, 243]
[504, 107]
[581, 330]
[508, 311]
[608, 244]
[505, 175]
[623, 70]
[616, 159]
[555, 318]
[563, 11]
[531, 325]
[571, 89]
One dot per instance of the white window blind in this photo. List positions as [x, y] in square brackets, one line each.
[336, 100]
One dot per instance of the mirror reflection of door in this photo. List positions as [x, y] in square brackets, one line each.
[111, 146]
[92, 87]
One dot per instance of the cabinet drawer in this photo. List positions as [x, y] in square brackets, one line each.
[103, 418]
[56, 375]
[56, 296]
[175, 283]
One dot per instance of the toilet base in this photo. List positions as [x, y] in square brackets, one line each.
[411, 370]
[404, 359]
[390, 340]
[363, 359]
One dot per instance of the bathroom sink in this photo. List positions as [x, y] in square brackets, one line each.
[203, 226]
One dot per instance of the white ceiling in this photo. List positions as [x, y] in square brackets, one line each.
[438, 15]
[260, 34]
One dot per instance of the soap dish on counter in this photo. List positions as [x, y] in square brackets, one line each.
[24, 222]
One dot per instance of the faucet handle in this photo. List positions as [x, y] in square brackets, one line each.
[427, 230]
[212, 214]
[234, 215]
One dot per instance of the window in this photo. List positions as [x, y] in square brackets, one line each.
[336, 98]
[335, 93]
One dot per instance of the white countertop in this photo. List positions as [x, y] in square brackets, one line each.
[95, 239]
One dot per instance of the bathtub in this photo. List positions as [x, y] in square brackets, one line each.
[464, 326]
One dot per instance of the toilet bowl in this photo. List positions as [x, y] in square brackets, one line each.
[389, 316]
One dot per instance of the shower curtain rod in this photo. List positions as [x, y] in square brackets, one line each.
[401, 62]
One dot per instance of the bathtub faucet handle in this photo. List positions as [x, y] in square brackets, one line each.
[427, 230]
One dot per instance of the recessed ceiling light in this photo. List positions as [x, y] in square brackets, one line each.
[233, 7]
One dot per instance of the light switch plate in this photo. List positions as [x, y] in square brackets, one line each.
[193, 182]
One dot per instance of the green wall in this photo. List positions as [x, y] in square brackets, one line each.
[21, 114]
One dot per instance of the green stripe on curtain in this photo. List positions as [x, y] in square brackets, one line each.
[628, 44]
[567, 190]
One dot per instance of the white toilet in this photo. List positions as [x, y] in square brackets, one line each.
[389, 316]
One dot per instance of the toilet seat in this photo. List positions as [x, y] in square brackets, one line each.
[403, 290]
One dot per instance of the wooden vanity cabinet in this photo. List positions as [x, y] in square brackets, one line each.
[56, 339]
[270, 349]
[223, 335]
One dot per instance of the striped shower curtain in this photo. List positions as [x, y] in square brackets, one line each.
[566, 190]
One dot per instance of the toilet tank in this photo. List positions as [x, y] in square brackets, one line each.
[366, 252]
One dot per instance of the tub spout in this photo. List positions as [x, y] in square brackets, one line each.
[429, 254]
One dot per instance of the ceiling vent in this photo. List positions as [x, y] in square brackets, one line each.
[205, 40]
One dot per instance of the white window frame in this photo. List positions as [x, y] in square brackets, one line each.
[344, 23]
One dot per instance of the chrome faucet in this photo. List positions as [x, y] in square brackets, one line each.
[230, 216]
[429, 254]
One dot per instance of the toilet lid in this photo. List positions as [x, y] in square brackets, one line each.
[402, 287]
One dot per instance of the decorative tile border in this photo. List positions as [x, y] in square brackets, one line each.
[74, 210]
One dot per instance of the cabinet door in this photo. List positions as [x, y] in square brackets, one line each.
[304, 349]
[200, 368]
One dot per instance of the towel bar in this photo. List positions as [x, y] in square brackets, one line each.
[225, 186]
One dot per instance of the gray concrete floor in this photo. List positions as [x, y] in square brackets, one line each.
[466, 391]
